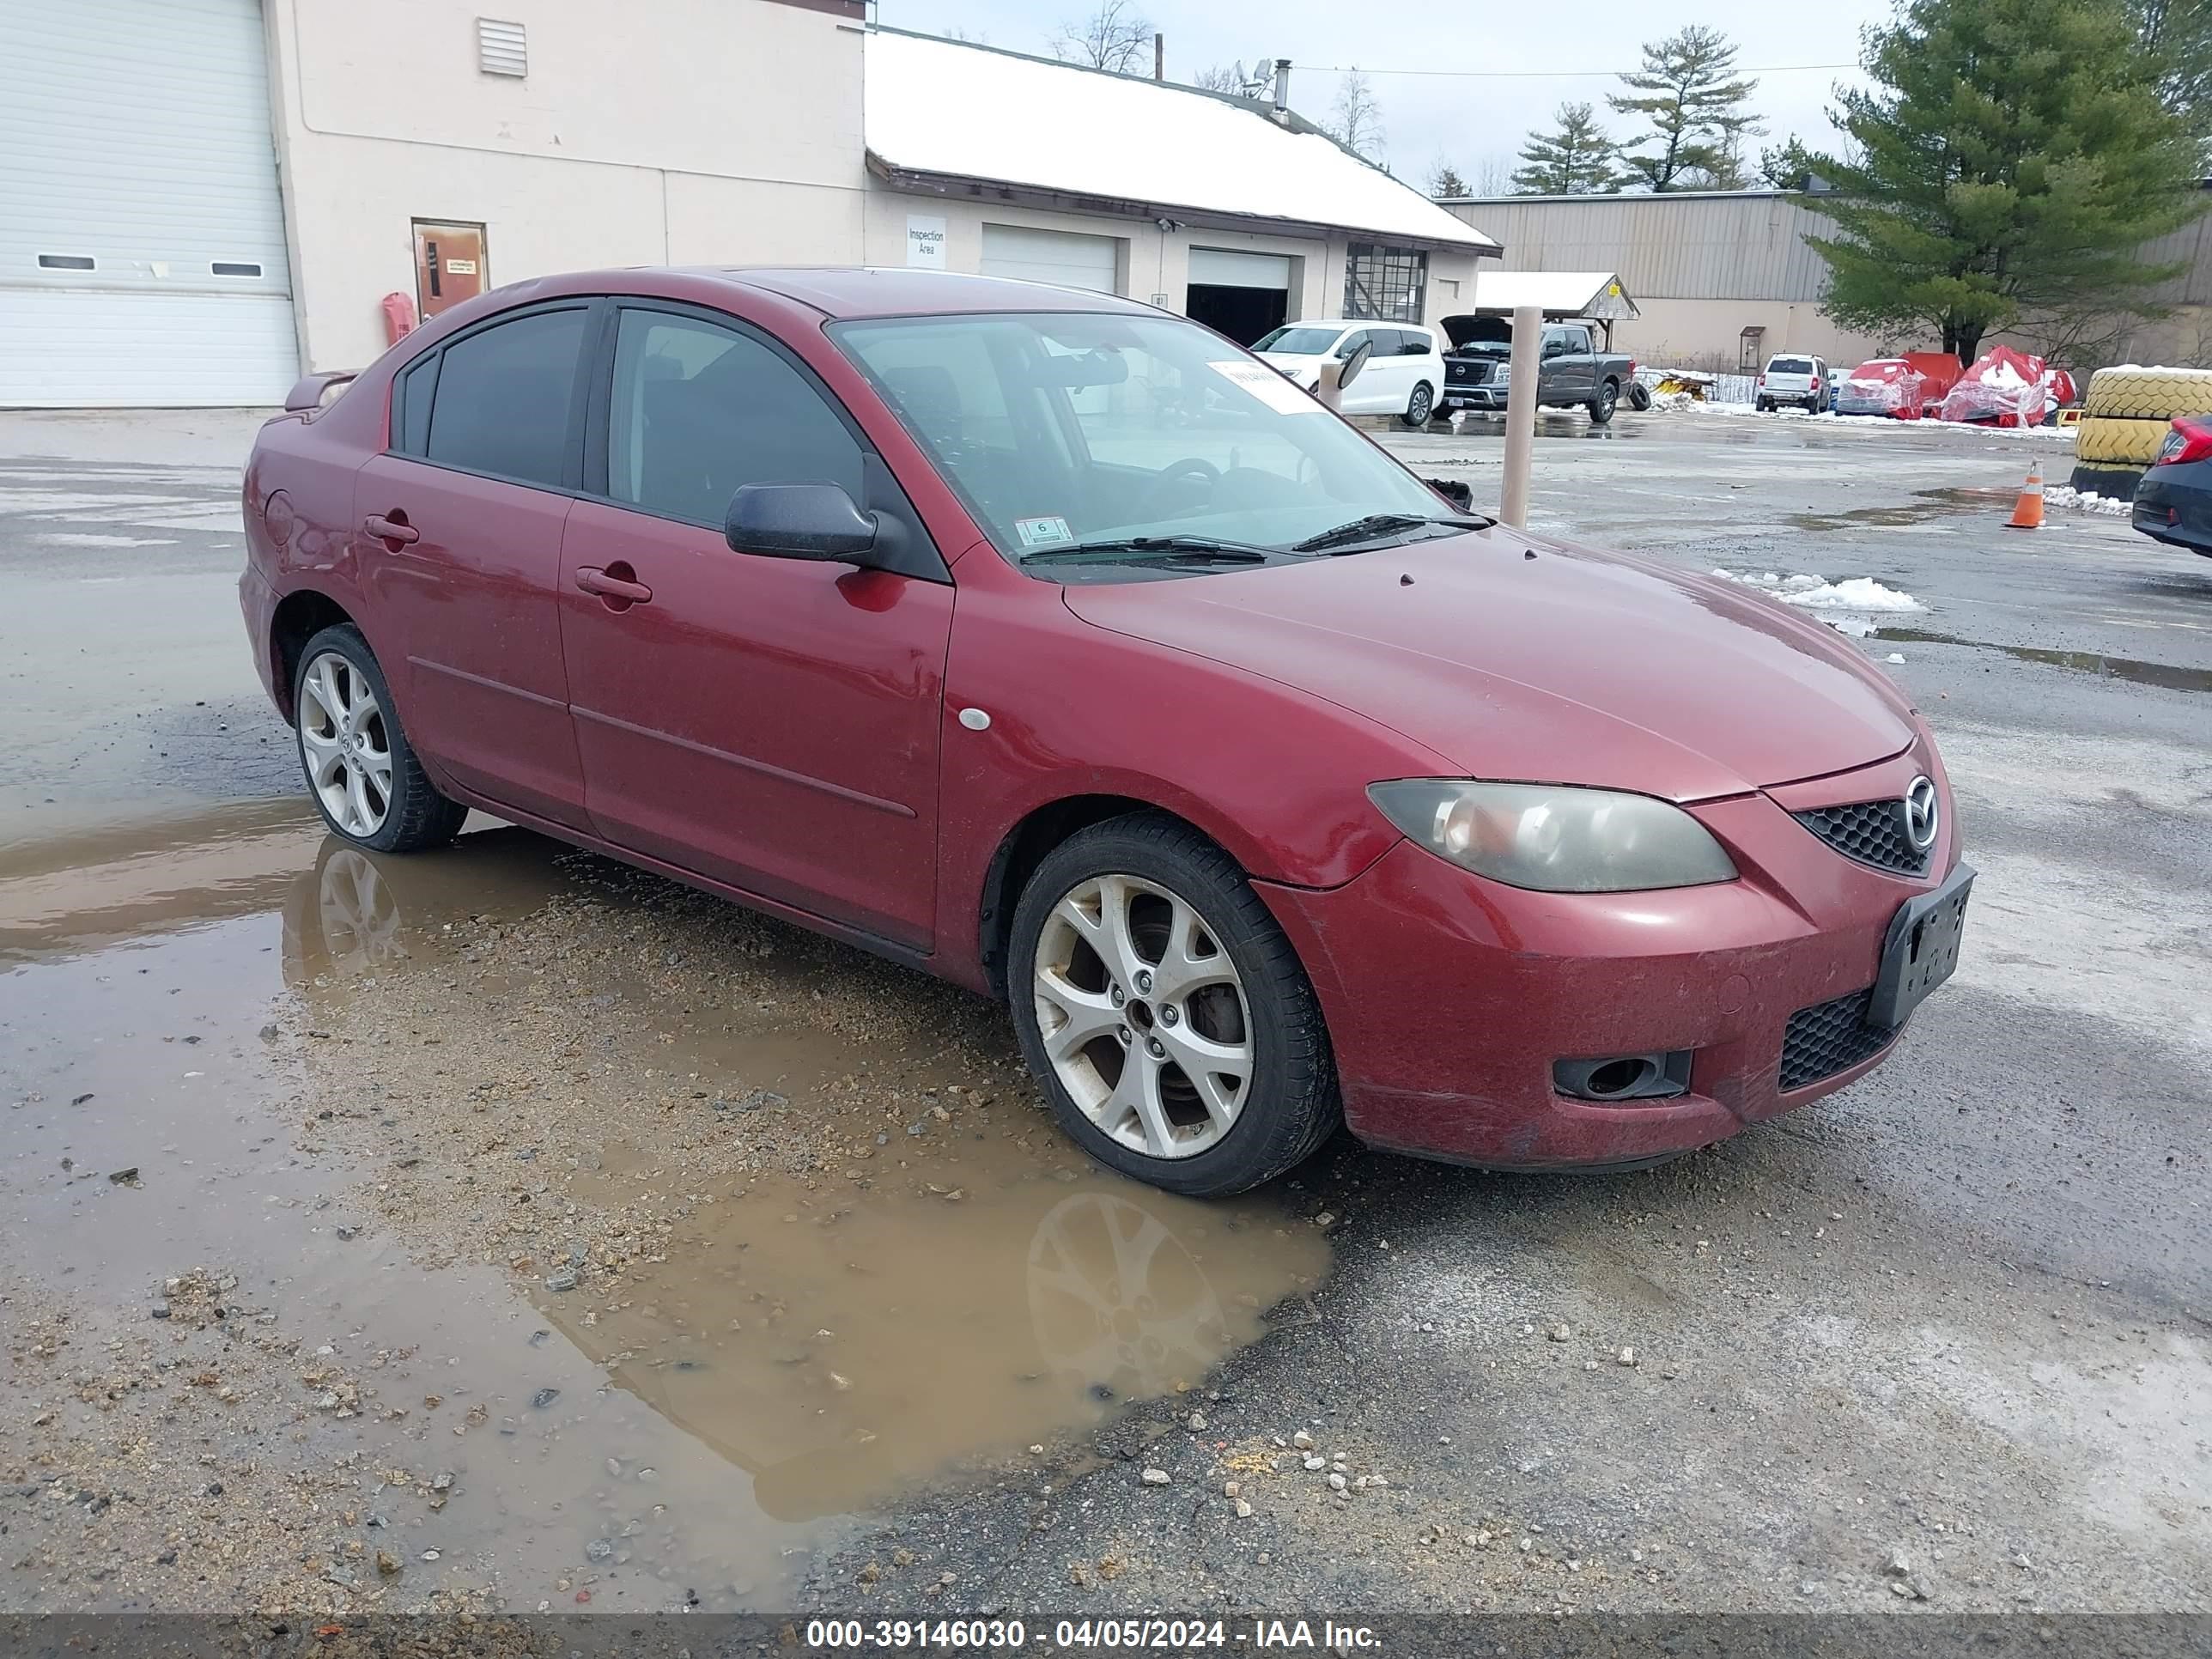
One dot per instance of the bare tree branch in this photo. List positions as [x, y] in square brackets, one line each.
[1116, 37]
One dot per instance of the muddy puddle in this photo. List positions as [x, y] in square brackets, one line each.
[538, 1233]
[2170, 676]
[1917, 514]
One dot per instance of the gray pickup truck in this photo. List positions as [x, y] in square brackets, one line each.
[1478, 370]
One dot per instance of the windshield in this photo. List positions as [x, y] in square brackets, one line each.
[1299, 342]
[1061, 431]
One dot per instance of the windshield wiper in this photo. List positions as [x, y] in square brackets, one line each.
[1382, 524]
[1135, 549]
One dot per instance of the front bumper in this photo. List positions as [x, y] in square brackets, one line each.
[1459, 394]
[1449, 998]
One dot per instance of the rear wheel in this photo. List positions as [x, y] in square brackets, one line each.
[1418, 407]
[1602, 405]
[1168, 1018]
[360, 767]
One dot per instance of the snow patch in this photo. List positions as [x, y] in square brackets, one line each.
[2084, 501]
[1862, 593]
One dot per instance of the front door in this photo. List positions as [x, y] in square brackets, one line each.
[457, 536]
[768, 723]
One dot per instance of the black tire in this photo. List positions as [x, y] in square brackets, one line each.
[1639, 395]
[1602, 405]
[416, 817]
[1292, 1104]
[1763, 405]
[1419, 407]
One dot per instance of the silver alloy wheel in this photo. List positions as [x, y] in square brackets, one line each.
[1143, 1016]
[346, 745]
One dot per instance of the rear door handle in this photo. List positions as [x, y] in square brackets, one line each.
[615, 584]
[391, 527]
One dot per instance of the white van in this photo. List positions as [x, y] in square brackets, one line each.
[1405, 371]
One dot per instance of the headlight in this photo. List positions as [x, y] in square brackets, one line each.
[1555, 839]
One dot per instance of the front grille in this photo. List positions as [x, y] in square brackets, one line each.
[1827, 1038]
[1871, 831]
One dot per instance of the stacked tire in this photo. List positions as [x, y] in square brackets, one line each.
[2125, 417]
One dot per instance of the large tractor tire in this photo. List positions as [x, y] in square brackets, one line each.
[2114, 483]
[2108, 440]
[2148, 394]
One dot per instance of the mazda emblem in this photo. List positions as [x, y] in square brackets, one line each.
[1921, 813]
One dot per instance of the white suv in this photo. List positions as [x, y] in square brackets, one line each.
[1791, 380]
[1405, 371]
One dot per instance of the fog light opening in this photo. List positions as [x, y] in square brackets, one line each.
[1625, 1076]
[1617, 1077]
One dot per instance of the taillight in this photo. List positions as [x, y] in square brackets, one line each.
[2191, 439]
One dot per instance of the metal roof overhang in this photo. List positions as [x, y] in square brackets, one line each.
[957, 186]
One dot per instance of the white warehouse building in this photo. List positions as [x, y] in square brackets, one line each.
[205, 199]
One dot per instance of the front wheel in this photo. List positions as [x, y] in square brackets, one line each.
[1166, 1015]
[1419, 407]
[1602, 405]
[362, 772]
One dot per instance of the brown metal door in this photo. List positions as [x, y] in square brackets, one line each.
[449, 265]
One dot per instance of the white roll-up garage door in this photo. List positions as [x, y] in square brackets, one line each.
[1227, 267]
[141, 230]
[1064, 257]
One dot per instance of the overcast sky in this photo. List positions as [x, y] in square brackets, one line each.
[1536, 55]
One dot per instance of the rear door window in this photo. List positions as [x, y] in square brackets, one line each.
[1790, 366]
[504, 396]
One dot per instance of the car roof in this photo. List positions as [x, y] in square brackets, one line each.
[1351, 322]
[882, 291]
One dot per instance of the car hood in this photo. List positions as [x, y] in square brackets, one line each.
[1291, 360]
[1572, 665]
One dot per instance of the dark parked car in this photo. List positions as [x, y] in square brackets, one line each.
[2173, 502]
[1570, 372]
[1267, 786]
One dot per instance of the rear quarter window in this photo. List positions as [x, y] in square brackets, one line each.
[504, 396]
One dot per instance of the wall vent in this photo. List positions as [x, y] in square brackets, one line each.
[501, 48]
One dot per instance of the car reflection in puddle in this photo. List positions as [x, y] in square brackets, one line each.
[839, 1334]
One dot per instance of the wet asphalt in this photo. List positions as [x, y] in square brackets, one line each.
[1954, 1318]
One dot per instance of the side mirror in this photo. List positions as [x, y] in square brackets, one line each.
[1354, 363]
[798, 522]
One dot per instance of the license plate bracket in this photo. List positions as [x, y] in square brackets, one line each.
[1921, 950]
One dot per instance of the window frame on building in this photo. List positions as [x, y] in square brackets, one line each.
[1386, 284]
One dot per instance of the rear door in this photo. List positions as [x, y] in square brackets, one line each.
[458, 535]
[1572, 369]
[768, 723]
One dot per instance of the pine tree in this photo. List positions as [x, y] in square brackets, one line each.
[2179, 34]
[1574, 159]
[2012, 156]
[1444, 181]
[1697, 105]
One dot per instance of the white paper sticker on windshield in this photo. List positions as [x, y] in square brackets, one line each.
[1043, 533]
[1270, 387]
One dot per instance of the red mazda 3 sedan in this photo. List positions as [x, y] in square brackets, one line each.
[1054, 645]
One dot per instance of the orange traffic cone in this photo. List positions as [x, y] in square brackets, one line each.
[2028, 516]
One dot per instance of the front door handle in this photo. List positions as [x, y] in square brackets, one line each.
[392, 526]
[616, 584]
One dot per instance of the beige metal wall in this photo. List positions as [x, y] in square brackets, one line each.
[1702, 266]
[751, 153]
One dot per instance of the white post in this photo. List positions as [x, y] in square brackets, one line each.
[1330, 393]
[1521, 416]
